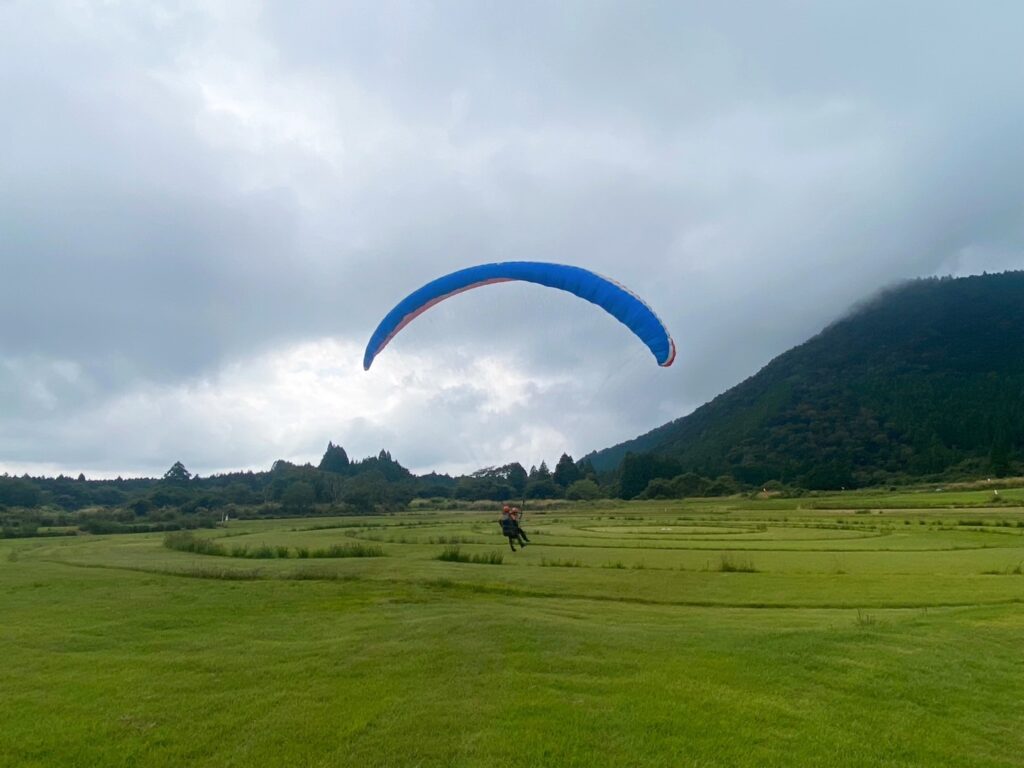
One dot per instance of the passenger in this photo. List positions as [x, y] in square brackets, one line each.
[516, 516]
[508, 527]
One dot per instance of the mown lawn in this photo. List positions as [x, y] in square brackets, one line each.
[615, 639]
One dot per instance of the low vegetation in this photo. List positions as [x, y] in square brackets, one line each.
[730, 563]
[295, 652]
[186, 541]
[456, 555]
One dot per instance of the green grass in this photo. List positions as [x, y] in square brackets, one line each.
[186, 541]
[453, 554]
[729, 632]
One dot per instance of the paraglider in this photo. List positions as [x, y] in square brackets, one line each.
[616, 300]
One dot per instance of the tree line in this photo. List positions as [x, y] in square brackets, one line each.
[337, 485]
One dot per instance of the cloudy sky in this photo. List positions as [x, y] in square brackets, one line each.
[205, 209]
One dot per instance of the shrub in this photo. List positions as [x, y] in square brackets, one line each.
[727, 564]
[186, 541]
[453, 555]
[456, 555]
[489, 558]
[348, 550]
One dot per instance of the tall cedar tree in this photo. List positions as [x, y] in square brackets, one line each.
[566, 471]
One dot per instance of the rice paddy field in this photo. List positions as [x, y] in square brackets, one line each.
[860, 630]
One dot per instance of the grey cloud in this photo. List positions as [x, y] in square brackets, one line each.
[188, 188]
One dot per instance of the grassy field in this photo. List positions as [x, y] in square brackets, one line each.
[856, 630]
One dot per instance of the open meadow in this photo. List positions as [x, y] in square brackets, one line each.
[852, 630]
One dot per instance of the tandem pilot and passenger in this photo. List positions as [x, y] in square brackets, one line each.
[510, 528]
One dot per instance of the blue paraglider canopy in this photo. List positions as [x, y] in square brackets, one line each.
[619, 302]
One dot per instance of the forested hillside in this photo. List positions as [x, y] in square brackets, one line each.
[927, 379]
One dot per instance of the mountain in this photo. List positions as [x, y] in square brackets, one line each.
[926, 379]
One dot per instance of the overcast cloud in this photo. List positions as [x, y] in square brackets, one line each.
[205, 209]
